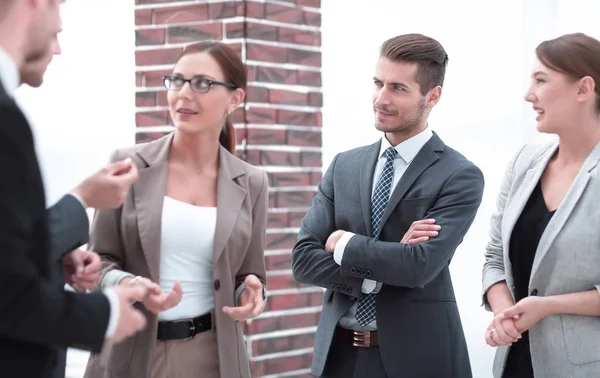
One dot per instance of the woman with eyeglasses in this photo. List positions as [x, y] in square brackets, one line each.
[191, 230]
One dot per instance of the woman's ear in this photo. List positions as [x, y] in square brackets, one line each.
[236, 99]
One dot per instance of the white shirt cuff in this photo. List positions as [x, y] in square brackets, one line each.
[338, 252]
[368, 286]
[81, 201]
[114, 312]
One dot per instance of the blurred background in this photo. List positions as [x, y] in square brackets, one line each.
[310, 66]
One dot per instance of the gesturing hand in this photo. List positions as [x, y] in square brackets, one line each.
[250, 301]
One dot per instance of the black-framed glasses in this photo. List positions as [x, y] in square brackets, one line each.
[197, 84]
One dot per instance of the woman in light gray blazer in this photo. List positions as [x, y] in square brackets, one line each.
[541, 276]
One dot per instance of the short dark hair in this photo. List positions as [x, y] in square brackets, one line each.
[427, 53]
[576, 55]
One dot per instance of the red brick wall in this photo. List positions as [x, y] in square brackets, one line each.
[278, 129]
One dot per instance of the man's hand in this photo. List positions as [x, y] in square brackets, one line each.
[420, 231]
[156, 300]
[250, 301]
[106, 188]
[333, 239]
[130, 320]
[81, 269]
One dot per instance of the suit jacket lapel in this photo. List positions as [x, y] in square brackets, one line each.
[149, 192]
[426, 156]
[367, 171]
[513, 210]
[565, 208]
[230, 196]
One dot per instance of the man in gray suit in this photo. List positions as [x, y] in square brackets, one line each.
[389, 308]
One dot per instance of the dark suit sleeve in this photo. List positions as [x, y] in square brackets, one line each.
[32, 309]
[311, 264]
[69, 227]
[414, 265]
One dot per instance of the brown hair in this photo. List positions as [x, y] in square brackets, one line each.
[426, 52]
[235, 72]
[576, 55]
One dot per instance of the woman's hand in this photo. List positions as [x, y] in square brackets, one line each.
[250, 301]
[527, 312]
[501, 331]
[156, 300]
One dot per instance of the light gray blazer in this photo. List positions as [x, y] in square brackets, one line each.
[567, 261]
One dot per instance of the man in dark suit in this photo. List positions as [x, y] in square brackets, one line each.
[67, 218]
[389, 309]
[37, 317]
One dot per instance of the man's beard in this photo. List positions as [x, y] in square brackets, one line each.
[408, 125]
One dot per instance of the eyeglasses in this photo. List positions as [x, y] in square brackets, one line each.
[198, 84]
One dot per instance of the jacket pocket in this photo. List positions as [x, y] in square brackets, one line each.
[581, 335]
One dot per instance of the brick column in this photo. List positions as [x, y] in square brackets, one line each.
[278, 129]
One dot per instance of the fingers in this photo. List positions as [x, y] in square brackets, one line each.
[119, 167]
[252, 282]
[239, 313]
[418, 240]
[173, 298]
[132, 293]
[510, 329]
[489, 339]
[500, 335]
[92, 263]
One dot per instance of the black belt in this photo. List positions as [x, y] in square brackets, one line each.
[184, 329]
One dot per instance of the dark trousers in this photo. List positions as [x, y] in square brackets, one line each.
[347, 361]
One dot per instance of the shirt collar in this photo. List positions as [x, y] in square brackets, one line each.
[9, 73]
[408, 149]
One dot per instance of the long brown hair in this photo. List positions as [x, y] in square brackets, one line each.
[575, 55]
[235, 72]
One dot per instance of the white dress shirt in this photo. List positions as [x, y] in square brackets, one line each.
[9, 73]
[407, 151]
[10, 78]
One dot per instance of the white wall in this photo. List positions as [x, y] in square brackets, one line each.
[482, 113]
[86, 106]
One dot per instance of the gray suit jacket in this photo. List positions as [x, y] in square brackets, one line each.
[566, 261]
[419, 328]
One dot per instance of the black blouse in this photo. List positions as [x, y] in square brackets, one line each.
[524, 241]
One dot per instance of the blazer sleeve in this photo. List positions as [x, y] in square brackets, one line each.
[106, 240]
[415, 265]
[254, 261]
[69, 226]
[493, 267]
[34, 310]
[311, 263]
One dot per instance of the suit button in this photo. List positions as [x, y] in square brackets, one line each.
[534, 292]
[363, 272]
[332, 286]
[353, 270]
[217, 285]
[368, 273]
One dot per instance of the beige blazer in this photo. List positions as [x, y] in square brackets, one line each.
[567, 260]
[128, 240]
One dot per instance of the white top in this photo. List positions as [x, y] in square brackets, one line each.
[186, 256]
